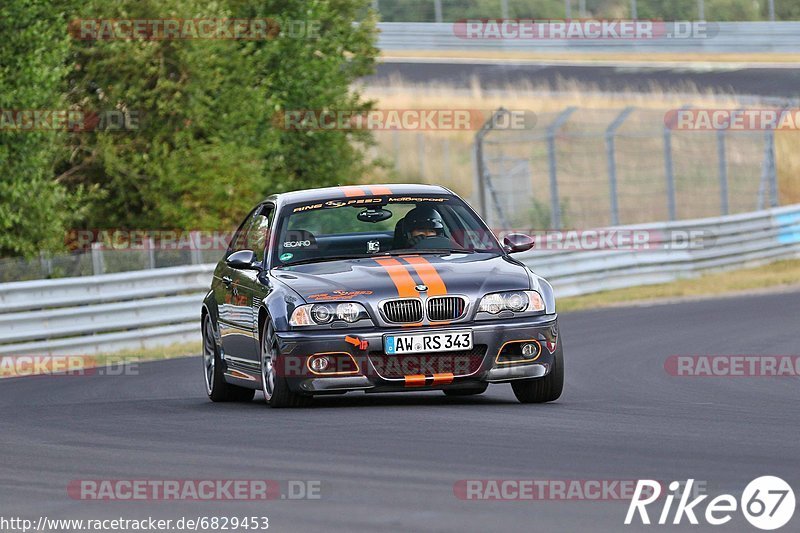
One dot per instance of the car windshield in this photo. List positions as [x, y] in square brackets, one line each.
[379, 225]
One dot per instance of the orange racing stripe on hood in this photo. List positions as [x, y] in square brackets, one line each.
[400, 276]
[428, 274]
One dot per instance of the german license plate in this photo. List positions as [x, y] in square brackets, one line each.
[448, 341]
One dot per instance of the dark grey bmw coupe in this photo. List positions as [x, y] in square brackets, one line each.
[376, 288]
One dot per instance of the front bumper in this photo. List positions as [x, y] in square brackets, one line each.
[297, 346]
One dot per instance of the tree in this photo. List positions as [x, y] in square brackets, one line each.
[207, 146]
[34, 208]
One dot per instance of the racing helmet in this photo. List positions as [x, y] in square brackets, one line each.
[422, 218]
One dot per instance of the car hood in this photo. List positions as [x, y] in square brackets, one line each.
[369, 279]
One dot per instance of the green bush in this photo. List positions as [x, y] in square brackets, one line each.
[34, 207]
[206, 146]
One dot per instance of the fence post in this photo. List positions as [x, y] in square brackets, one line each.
[552, 130]
[151, 253]
[723, 172]
[771, 176]
[773, 182]
[98, 266]
[669, 172]
[46, 264]
[480, 163]
[701, 10]
[634, 10]
[611, 158]
[196, 250]
[437, 8]
[504, 8]
[567, 9]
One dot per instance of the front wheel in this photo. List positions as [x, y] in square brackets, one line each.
[217, 388]
[541, 390]
[273, 381]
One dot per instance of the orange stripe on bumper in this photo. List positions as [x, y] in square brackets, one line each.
[416, 380]
[430, 277]
[442, 379]
[400, 276]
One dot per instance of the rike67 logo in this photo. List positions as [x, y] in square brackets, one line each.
[767, 502]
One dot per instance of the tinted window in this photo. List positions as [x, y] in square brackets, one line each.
[374, 225]
[258, 233]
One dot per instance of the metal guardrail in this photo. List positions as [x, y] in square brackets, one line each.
[734, 241]
[155, 307]
[98, 314]
[723, 37]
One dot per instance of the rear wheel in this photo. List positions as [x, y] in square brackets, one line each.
[217, 388]
[541, 390]
[467, 392]
[274, 383]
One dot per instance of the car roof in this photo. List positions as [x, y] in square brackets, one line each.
[354, 191]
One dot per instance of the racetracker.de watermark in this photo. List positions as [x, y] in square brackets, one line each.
[164, 29]
[70, 120]
[14, 366]
[545, 489]
[137, 240]
[743, 366]
[581, 29]
[610, 239]
[714, 119]
[403, 119]
[193, 489]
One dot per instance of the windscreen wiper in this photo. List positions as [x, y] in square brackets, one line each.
[408, 251]
[324, 259]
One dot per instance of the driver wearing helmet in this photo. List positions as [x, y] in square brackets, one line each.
[423, 227]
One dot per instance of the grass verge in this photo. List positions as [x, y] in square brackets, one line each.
[150, 354]
[20, 366]
[775, 275]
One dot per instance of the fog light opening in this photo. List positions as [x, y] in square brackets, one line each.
[332, 364]
[319, 363]
[529, 350]
[518, 352]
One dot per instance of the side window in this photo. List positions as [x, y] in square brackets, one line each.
[258, 233]
[239, 241]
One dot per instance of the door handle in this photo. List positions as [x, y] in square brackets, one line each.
[227, 281]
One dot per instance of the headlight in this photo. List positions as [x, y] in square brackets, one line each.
[348, 311]
[321, 314]
[514, 301]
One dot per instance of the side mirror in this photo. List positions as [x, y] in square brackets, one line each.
[243, 260]
[517, 242]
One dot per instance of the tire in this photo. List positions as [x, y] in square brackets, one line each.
[541, 390]
[275, 386]
[217, 388]
[467, 392]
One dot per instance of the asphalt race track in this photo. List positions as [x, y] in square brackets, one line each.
[389, 462]
[764, 82]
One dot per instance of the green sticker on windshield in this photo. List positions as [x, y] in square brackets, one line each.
[286, 256]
